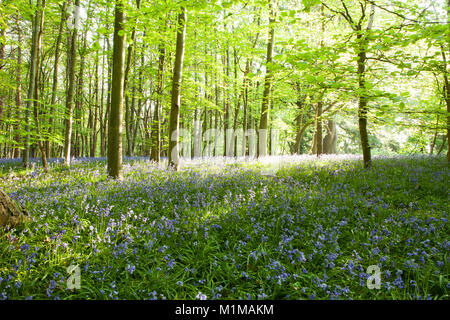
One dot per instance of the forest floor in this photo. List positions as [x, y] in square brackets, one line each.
[279, 228]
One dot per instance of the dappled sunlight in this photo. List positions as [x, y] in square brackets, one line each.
[309, 229]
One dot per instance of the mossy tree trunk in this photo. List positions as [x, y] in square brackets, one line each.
[174, 121]
[11, 214]
[117, 94]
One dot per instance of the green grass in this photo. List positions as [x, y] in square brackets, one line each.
[309, 230]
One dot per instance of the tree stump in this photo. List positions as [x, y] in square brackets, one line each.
[11, 214]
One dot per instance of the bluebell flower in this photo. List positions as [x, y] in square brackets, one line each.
[200, 296]
[130, 268]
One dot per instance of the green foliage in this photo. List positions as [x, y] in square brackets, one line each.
[231, 232]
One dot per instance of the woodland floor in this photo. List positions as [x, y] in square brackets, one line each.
[279, 228]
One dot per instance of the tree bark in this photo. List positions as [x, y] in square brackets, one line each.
[55, 73]
[32, 83]
[71, 92]
[11, 214]
[130, 60]
[265, 107]
[299, 135]
[140, 90]
[330, 140]
[156, 131]
[2, 58]
[176, 91]
[363, 97]
[433, 143]
[442, 145]
[16, 153]
[36, 102]
[226, 99]
[117, 94]
[447, 86]
[93, 141]
[319, 138]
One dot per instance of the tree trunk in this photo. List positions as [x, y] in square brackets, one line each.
[447, 89]
[330, 140]
[156, 131]
[363, 98]
[32, 79]
[11, 214]
[140, 90]
[299, 135]
[36, 102]
[55, 73]
[16, 153]
[433, 143]
[442, 145]
[2, 58]
[93, 142]
[319, 138]
[71, 91]
[116, 112]
[176, 91]
[226, 99]
[265, 107]
[130, 60]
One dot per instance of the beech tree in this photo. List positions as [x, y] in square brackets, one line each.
[174, 122]
[117, 94]
[72, 61]
[265, 107]
[338, 72]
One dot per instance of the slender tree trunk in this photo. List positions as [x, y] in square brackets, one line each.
[245, 105]
[93, 142]
[80, 145]
[216, 115]
[447, 100]
[319, 127]
[55, 74]
[32, 82]
[442, 145]
[433, 143]
[236, 119]
[226, 99]
[140, 89]
[2, 58]
[117, 94]
[36, 102]
[319, 110]
[176, 91]
[130, 60]
[71, 92]
[156, 127]
[265, 107]
[363, 97]
[16, 153]
[447, 85]
[104, 136]
[362, 108]
[299, 135]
